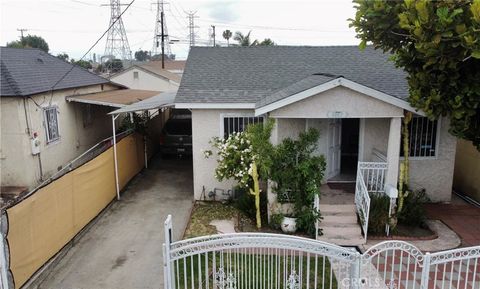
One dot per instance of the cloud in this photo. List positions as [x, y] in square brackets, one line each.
[224, 11]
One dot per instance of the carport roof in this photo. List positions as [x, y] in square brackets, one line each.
[163, 99]
[114, 98]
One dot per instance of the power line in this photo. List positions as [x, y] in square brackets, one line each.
[161, 37]
[90, 49]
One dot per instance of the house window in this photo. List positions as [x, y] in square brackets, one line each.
[423, 135]
[135, 75]
[87, 112]
[238, 123]
[51, 123]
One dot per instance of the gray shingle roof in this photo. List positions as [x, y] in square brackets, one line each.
[27, 71]
[265, 74]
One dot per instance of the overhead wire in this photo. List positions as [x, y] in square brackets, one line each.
[90, 49]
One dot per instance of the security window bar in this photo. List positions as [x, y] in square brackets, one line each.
[238, 124]
[422, 137]
[51, 124]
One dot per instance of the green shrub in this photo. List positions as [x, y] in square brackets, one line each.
[276, 221]
[378, 217]
[413, 213]
[245, 202]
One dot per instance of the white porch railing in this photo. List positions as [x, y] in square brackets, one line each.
[370, 179]
[261, 261]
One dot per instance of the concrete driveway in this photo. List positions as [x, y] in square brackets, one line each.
[123, 249]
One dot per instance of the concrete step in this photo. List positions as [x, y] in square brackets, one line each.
[339, 218]
[327, 208]
[340, 229]
[348, 240]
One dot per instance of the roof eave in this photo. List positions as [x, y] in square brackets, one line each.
[341, 81]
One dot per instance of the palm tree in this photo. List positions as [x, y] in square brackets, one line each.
[244, 40]
[227, 34]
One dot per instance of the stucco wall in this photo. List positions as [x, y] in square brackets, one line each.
[205, 126]
[375, 136]
[436, 174]
[349, 103]
[467, 170]
[146, 81]
[18, 166]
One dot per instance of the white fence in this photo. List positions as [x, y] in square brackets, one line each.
[267, 261]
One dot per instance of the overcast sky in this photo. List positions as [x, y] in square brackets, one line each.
[72, 26]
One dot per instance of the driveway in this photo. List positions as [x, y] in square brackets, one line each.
[123, 249]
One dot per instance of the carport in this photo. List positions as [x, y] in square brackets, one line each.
[157, 104]
[128, 101]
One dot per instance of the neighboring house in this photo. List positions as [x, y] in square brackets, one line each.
[174, 66]
[467, 170]
[41, 131]
[148, 76]
[356, 99]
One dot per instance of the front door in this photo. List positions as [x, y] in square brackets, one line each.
[334, 147]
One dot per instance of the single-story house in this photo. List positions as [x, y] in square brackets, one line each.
[356, 99]
[51, 112]
[148, 76]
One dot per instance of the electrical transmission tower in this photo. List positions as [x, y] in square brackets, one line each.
[117, 42]
[191, 27]
[160, 38]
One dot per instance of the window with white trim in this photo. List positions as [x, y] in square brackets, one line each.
[233, 124]
[51, 123]
[423, 134]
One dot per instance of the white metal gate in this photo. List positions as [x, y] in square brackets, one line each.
[268, 261]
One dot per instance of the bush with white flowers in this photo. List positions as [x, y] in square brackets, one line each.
[235, 158]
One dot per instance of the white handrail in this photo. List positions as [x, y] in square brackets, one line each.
[362, 202]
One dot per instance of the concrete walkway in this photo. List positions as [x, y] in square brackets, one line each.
[123, 249]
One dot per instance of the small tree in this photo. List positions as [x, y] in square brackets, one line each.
[227, 34]
[142, 55]
[63, 56]
[114, 65]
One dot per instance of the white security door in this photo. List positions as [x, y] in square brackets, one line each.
[334, 146]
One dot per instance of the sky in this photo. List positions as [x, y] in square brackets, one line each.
[72, 26]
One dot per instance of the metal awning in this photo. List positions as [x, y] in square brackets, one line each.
[114, 98]
[160, 100]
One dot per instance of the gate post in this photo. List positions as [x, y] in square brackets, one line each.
[355, 272]
[425, 271]
[167, 273]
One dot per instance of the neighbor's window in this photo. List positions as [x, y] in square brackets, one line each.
[238, 123]
[51, 123]
[423, 137]
[135, 75]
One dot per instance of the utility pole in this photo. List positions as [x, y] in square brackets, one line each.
[191, 27]
[21, 32]
[213, 35]
[117, 43]
[161, 38]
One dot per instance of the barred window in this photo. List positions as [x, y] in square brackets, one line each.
[51, 123]
[422, 137]
[238, 123]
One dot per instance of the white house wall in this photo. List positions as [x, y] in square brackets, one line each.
[436, 174]
[375, 137]
[206, 124]
[341, 101]
[18, 166]
[145, 81]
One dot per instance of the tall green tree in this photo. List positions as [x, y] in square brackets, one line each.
[63, 56]
[245, 40]
[227, 34]
[438, 44]
[30, 41]
[142, 55]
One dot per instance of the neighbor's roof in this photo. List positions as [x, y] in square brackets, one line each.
[114, 98]
[169, 64]
[266, 74]
[163, 99]
[157, 69]
[27, 71]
